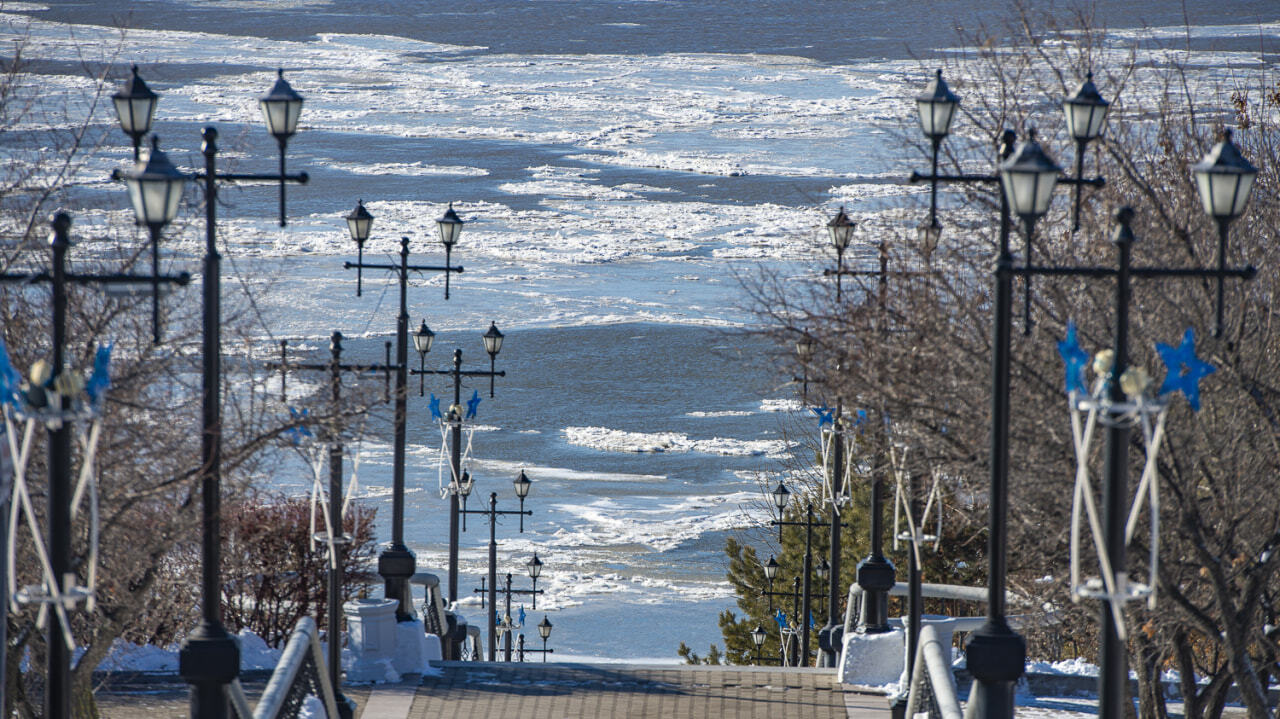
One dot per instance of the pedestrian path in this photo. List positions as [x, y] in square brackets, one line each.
[566, 691]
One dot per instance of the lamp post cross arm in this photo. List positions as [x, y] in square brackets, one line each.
[1247, 272]
[526, 512]
[182, 278]
[396, 268]
[301, 178]
[462, 373]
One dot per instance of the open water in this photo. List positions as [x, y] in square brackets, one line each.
[621, 165]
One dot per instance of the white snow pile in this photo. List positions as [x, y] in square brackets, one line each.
[616, 440]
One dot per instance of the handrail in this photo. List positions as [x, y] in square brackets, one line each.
[853, 604]
[933, 688]
[300, 673]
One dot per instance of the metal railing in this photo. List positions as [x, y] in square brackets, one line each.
[933, 688]
[301, 673]
[472, 651]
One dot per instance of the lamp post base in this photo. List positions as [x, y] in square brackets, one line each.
[396, 566]
[830, 639]
[876, 578]
[996, 657]
[209, 660]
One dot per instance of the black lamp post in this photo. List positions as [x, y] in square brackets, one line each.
[506, 630]
[57, 698]
[493, 513]
[995, 653]
[1086, 116]
[1224, 179]
[544, 631]
[936, 107]
[396, 563]
[210, 658]
[135, 107]
[493, 344]
[781, 495]
[359, 224]
[340, 538]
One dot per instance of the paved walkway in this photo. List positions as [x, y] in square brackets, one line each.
[570, 691]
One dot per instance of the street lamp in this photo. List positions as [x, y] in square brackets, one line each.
[210, 658]
[493, 512]
[155, 189]
[396, 563]
[1224, 179]
[804, 352]
[359, 224]
[544, 631]
[450, 228]
[422, 340]
[281, 109]
[61, 592]
[135, 108]
[758, 635]
[840, 228]
[493, 345]
[455, 455]
[1029, 177]
[534, 567]
[936, 107]
[522, 484]
[1086, 115]
[809, 524]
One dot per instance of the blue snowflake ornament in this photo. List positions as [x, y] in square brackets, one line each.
[1075, 358]
[781, 619]
[1185, 369]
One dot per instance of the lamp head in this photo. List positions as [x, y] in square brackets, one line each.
[771, 568]
[781, 495]
[492, 340]
[535, 566]
[155, 188]
[840, 228]
[544, 627]
[281, 108]
[1085, 112]
[1029, 177]
[522, 485]
[423, 338]
[359, 223]
[450, 226]
[135, 106]
[1224, 179]
[758, 636]
[936, 107]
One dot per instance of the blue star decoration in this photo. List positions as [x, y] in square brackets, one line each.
[100, 382]
[297, 433]
[1185, 369]
[826, 415]
[781, 619]
[434, 405]
[1076, 360]
[473, 404]
[10, 379]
